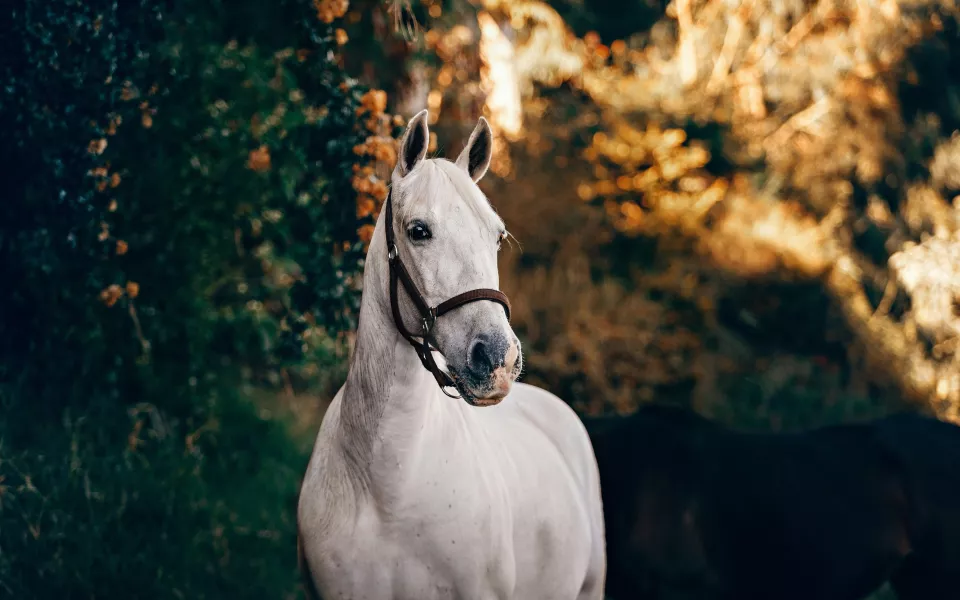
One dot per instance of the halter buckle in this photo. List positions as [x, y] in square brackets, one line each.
[392, 252]
[428, 321]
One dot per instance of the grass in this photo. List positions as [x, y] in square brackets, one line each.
[99, 507]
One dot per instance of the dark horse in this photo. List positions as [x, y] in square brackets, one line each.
[695, 510]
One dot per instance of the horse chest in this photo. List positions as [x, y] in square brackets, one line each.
[435, 551]
[453, 530]
[463, 512]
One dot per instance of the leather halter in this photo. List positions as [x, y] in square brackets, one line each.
[428, 314]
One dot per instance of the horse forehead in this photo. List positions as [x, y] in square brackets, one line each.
[443, 189]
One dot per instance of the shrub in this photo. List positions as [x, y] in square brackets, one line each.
[188, 192]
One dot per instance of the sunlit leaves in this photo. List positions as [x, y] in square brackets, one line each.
[258, 159]
[330, 10]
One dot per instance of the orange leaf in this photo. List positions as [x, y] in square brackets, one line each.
[259, 160]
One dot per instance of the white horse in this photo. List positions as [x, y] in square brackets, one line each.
[410, 494]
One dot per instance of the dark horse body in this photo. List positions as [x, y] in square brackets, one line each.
[695, 510]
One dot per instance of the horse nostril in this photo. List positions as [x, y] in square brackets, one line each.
[487, 353]
[481, 359]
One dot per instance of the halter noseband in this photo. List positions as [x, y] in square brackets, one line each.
[428, 314]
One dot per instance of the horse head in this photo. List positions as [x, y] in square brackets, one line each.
[442, 243]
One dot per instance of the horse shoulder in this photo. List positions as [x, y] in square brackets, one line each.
[306, 574]
[567, 434]
[328, 504]
[558, 422]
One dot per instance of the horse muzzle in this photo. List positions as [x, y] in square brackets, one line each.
[493, 364]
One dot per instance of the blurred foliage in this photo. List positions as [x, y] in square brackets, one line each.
[188, 189]
[751, 206]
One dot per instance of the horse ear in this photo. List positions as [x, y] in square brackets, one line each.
[476, 155]
[413, 145]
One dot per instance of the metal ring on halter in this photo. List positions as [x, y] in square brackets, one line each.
[449, 395]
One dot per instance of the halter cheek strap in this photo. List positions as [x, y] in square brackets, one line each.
[428, 314]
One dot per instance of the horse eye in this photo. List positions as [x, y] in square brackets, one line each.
[500, 238]
[419, 232]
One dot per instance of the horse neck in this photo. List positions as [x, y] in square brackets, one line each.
[388, 393]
